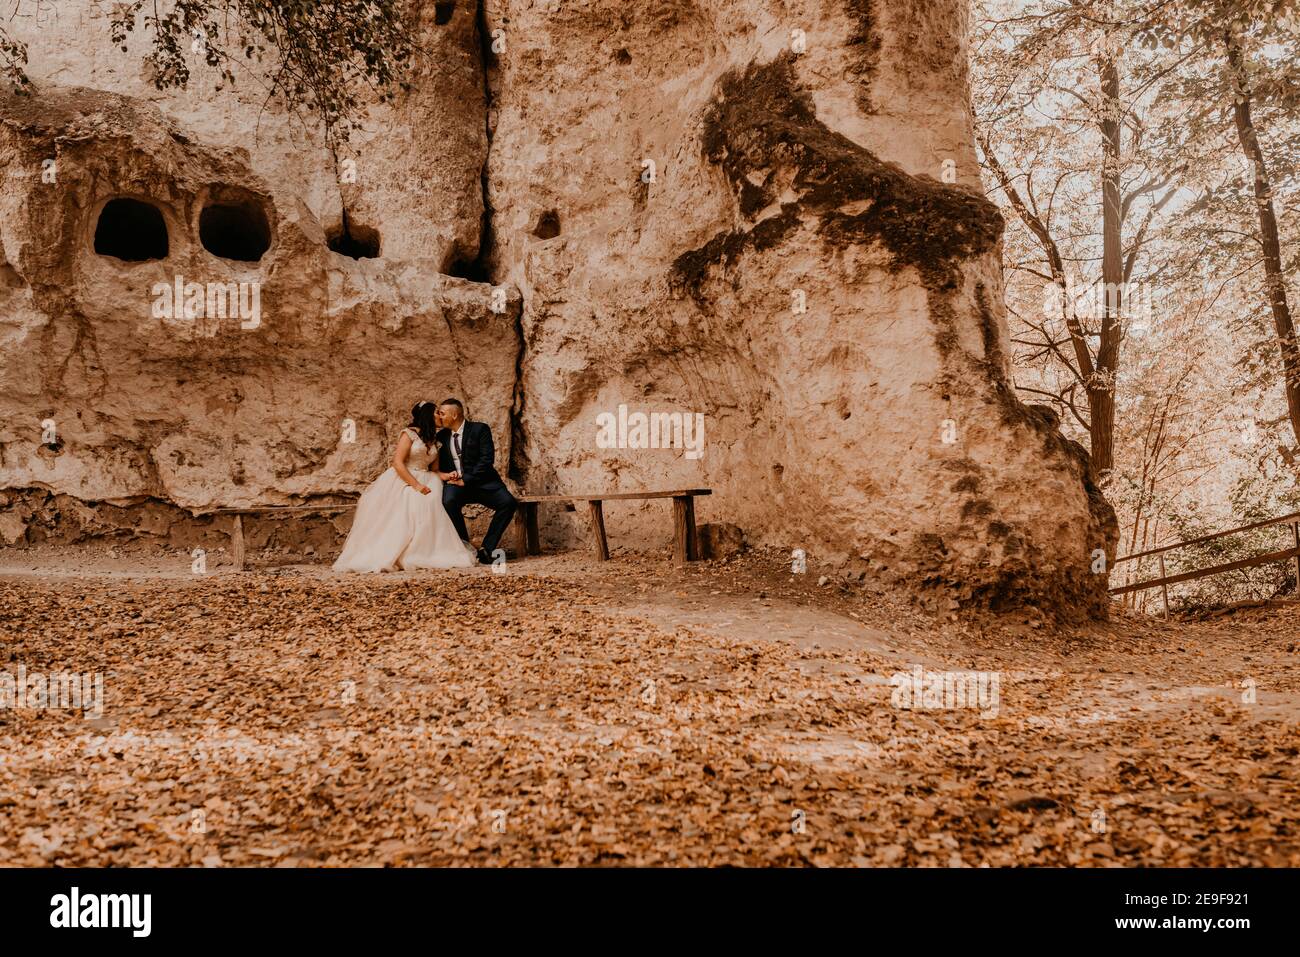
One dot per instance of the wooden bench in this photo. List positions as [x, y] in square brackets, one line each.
[686, 547]
[237, 523]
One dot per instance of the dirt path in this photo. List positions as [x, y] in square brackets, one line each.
[574, 712]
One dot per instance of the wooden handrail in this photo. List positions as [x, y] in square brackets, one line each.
[1283, 555]
[1164, 581]
[1283, 520]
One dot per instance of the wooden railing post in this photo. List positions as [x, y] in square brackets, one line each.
[1164, 589]
[1295, 535]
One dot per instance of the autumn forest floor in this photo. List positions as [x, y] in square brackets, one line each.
[569, 712]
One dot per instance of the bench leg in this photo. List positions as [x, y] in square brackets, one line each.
[521, 530]
[598, 530]
[681, 537]
[237, 542]
[534, 537]
[692, 534]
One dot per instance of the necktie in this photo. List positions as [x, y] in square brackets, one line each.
[455, 443]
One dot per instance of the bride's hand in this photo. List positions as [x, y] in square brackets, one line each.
[424, 490]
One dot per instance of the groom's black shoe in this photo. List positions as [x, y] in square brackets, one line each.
[483, 557]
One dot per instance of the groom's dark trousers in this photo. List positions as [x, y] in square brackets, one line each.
[483, 486]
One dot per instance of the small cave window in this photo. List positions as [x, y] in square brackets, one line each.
[131, 230]
[356, 241]
[476, 269]
[442, 12]
[548, 226]
[235, 230]
[622, 57]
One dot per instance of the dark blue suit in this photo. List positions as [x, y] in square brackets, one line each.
[483, 486]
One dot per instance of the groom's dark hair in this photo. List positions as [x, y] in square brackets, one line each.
[455, 402]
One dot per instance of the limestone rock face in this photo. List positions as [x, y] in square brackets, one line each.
[768, 214]
[110, 390]
[763, 217]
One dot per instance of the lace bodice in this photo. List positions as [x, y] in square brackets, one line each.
[420, 456]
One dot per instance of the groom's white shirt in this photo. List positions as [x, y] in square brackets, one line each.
[457, 438]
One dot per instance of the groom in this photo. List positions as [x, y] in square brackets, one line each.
[467, 450]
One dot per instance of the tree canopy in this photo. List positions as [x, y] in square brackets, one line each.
[323, 57]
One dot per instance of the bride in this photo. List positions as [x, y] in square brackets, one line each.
[400, 521]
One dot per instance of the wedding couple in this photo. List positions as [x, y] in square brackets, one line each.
[410, 517]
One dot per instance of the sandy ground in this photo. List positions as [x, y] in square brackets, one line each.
[575, 712]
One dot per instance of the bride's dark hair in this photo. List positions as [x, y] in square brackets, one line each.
[423, 423]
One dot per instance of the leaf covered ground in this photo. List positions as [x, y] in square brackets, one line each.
[630, 713]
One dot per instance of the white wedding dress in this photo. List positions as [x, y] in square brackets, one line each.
[395, 527]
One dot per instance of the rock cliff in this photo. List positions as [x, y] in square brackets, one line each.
[764, 217]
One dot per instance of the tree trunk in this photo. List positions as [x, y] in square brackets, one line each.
[1101, 390]
[1268, 235]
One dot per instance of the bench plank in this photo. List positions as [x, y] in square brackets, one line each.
[614, 496]
[272, 509]
[599, 497]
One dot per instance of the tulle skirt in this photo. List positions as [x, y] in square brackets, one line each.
[395, 527]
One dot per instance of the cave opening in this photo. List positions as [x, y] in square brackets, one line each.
[131, 230]
[475, 270]
[235, 230]
[351, 239]
[548, 226]
[442, 12]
